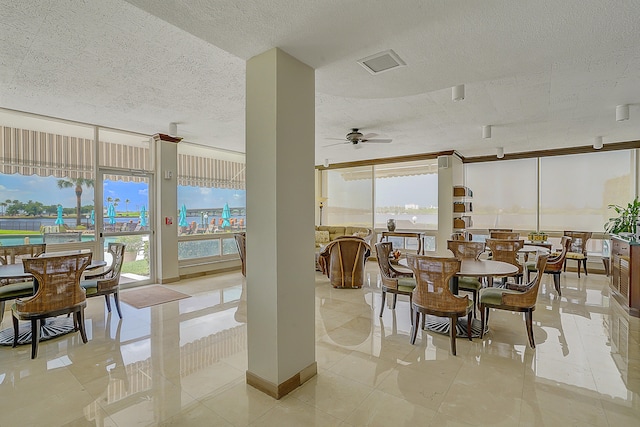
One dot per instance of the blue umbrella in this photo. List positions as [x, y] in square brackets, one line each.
[93, 217]
[59, 220]
[226, 215]
[182, 218]
[143, 216]
[111, 213]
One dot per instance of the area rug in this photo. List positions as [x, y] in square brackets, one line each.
[150, 295]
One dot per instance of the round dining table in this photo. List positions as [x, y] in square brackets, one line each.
[53, 327]
[485, 268]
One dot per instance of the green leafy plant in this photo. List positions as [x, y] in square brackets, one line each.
[625, 222]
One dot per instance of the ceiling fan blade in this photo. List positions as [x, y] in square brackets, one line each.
[338, 143]
[377, 141]
[336, 139]
[369, 136]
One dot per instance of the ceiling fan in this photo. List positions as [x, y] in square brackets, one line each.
[355, 137]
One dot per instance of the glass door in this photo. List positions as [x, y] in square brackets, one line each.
[124, 214]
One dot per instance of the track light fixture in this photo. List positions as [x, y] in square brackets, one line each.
[326, 163]
[597, 142]
[622, 113]
[457, 93]
[173, 129]
[486, 131]
[500, 152]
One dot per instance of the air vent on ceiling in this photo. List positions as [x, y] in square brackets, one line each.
[381, 62]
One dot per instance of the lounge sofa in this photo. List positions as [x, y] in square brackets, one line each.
[326, 234]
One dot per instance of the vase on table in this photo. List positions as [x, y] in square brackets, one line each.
[391, 224]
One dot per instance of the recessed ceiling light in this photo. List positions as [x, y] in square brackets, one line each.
[381, 62]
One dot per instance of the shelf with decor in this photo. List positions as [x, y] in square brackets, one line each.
[461, 207]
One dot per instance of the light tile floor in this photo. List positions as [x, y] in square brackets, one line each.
[183, 363]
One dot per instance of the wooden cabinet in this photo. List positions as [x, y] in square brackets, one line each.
[461, 206]
[625, 274]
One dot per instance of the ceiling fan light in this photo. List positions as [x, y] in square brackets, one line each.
[457, 93]
[597, 143]
[500, 152]
[622, 113]
[486, 131]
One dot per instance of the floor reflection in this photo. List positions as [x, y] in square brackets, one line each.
[184, 362]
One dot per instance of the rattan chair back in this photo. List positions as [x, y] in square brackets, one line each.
[58, 279]
[9, 254]
[528, 298]
[432, 277]
[555, 263]
[111, 278]
[241, 242]
[465, 250]
[578, 241]
[511, 235]
[506, 250]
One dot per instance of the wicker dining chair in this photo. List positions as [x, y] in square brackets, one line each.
[108, 282]
[241, 242]
[11, 289]
[511, 235]
[506, 250]
[392, 280]
[58, 292]
[554, 264]
[433, 296]
[513, 300]
[578, 249]
[468, 250]
[344, 261]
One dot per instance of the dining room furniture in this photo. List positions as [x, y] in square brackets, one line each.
[625, 273]
[468, 250]
[12, 288]
[107, 282]
[523, 300]
[433, 296]
[58, 292]
[578, 250]
[392, 281]
[500, 229]
[241, 243]
[512, 235]
[343, 260]
[384, 237]
[506, 250]
[554, 264]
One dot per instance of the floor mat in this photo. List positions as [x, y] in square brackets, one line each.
[150, 295]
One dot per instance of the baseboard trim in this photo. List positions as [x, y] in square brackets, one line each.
[286, 387]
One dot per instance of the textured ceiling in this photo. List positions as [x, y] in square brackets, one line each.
[545, 74]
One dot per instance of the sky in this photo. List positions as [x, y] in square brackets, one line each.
[45, 190]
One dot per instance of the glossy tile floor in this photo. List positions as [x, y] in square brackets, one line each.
[183, 363]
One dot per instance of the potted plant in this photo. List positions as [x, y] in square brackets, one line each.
[625, 222]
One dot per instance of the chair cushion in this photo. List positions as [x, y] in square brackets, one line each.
[15, 290]
[575, 255]
[531, 266]
[90, 286]
[493, 296]
[406, 284]
[469, 283]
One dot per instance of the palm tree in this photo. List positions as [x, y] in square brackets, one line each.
[126, 204]
[78, 183]
[4, 205]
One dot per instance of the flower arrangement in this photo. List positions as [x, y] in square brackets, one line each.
[396, 255]
[538, 236]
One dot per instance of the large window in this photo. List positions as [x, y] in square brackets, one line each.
[575, 190]
[349, 195]
[505, 194]
[211, 201]
[408, 193]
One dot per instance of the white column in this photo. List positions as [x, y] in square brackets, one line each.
[166, 207]
[450, 173]
[280, 140]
